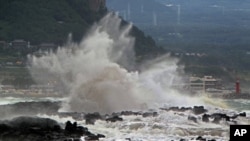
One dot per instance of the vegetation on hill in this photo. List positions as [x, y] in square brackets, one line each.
[45, 21]
[50, 21]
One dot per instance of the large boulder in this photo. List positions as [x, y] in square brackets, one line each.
[42, 129]
[197, 110]
[90, 118]
[25, 123]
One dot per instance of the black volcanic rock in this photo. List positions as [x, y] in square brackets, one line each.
[199, 110]
[219, 116]
[199, 138]
[114, 118]
[150, 114]
[177, 109]
[94, 137]
[90, 118]
[192, 118]
[129, 113]
[42, 129]
[242, 114]
[205, 118]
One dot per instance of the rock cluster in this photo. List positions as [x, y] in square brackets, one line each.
[198, 110]
[90, 118]
[217, 117]
[43, 129]
[199, 138]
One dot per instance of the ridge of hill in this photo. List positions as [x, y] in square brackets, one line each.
[51, 21]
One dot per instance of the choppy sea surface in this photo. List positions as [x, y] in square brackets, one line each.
[167, 126]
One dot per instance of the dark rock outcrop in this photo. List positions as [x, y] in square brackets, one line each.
[197, 110]
[150, 114]
[199, 138]
[243, 114]
[205, 118]
[42, 129]
[92, 117]
[192, 118]
[177, 109]
[114, 118]
[129, 113]
[219, 116]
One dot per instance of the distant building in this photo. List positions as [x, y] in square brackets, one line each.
[47, 46]
[205, 84]
[19, 44]
[196, 84]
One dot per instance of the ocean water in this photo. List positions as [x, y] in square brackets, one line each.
[239, 104]
[167, 126]
[9, 100]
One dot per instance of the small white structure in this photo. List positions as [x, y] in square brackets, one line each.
[205, 84]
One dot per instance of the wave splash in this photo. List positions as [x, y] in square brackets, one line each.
[95, 75]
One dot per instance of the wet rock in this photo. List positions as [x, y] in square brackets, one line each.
[173, 109]
[30, 128]
[242, 114]
[93, 137]
[199, 138]
[90, 121]
[177, 109]
[183, 109]
[4, 128]
[197, 110]
[101, 135]
[90, 118]
[24, 123]
[205, 118]
[192, 118]
[150, 114]
[72, 139]
[41, 129]
[114, 119]
[219, 116]
[75, 129]
[129, 113]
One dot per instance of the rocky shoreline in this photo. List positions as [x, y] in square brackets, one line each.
[43, 129]
[34, 128]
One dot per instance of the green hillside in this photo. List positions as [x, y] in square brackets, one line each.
[40, 21]
[45, 20]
